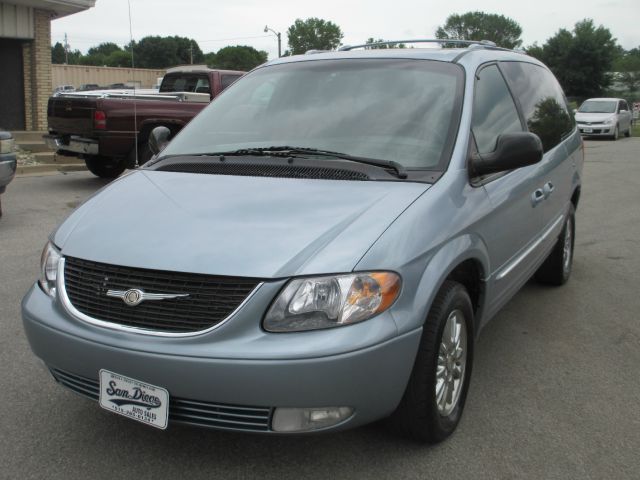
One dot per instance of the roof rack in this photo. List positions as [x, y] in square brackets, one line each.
[469, 43]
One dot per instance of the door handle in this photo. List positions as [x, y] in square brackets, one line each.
[537, 197]
[548, 189]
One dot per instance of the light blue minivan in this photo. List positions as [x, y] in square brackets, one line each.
[320, 247]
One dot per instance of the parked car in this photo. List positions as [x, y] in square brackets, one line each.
[64, 89]
[7, 162]
[110, 129]
[608, 117]
[320, 247]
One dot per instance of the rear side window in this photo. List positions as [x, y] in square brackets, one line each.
[226, 80]
[494, 111]
[543, 103]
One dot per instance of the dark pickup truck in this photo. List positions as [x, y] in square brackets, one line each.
[110, 129]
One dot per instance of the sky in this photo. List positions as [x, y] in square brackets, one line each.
[219, 23]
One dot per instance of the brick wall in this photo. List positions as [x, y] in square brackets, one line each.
[28, 87]
[37, 72]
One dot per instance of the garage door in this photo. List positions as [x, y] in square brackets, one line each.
[11, 85]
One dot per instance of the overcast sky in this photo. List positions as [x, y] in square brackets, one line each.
[216, 24]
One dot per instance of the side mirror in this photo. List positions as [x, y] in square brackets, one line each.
[622, 110]
[513, 150]
[158, 139]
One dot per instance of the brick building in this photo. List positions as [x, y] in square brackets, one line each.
[25, 59]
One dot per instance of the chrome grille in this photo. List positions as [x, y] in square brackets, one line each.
[211, 298]
[193, 412]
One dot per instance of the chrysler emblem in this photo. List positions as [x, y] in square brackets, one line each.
[135, 296]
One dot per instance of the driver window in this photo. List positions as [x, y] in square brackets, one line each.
[494, 111]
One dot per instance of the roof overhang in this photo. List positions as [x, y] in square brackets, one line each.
[59, 8]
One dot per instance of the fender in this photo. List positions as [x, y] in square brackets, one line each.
[437, 266]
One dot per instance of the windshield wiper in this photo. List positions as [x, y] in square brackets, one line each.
[285, 150]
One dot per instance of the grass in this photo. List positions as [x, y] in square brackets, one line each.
[635, 130]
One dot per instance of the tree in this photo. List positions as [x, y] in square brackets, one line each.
[581, 60]
[313, 34]
[163, 52]
[380, 40]
[627, 68]
[499, 29]
[57, 53]
[104, 49]
[240, 57]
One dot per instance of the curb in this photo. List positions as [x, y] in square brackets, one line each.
[49, 168]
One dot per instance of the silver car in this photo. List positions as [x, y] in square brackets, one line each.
[320, 247]
[604, 117]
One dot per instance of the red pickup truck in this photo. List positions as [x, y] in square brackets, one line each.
[110, 129]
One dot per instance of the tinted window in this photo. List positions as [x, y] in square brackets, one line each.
[494, 112]
[185, 83]
[391, 109]
[227, 80]
[543, 103]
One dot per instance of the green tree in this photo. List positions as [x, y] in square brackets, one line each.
[371, 40]
[240, 57]
[627, 68]
[163, 52]
[581, 60]
[502, 30]
[57, 53]
[313, 34]
[104, 49]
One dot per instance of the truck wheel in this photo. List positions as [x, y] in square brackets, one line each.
[104, 167]
[556, 269]
[434, 399]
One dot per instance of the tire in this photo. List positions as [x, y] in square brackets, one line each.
[420, 416]
[104, 167]
[628, 132]
[556, 269]
[616, 134]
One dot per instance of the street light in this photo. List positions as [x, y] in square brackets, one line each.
[277, 34]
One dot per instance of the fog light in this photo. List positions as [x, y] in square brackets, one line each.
[307, 419]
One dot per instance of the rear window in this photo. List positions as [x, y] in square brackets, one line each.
[185, 83]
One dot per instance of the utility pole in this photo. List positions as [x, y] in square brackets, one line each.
[66, 49]
[191, 48]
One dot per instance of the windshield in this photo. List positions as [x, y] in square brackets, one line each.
[598, 106]
[389, 109]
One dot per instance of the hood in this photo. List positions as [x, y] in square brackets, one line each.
[237, 226]
[594, 117]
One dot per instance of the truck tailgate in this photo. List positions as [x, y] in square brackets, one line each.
[71, 115]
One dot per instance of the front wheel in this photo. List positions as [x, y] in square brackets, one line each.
[434, 399]
[104, 167]
[616, 134]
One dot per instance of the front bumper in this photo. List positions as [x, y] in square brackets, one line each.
[8, 165]
[596, 130]
[371, 380]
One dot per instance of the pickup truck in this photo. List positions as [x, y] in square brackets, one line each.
[110, 129]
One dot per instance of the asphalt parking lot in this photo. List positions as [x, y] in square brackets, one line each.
[555, 390]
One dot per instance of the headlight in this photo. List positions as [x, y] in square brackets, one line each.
[332, 301]
[49, 269]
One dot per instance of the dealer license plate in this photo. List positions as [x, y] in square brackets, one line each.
[134, 399]
[587, 130]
